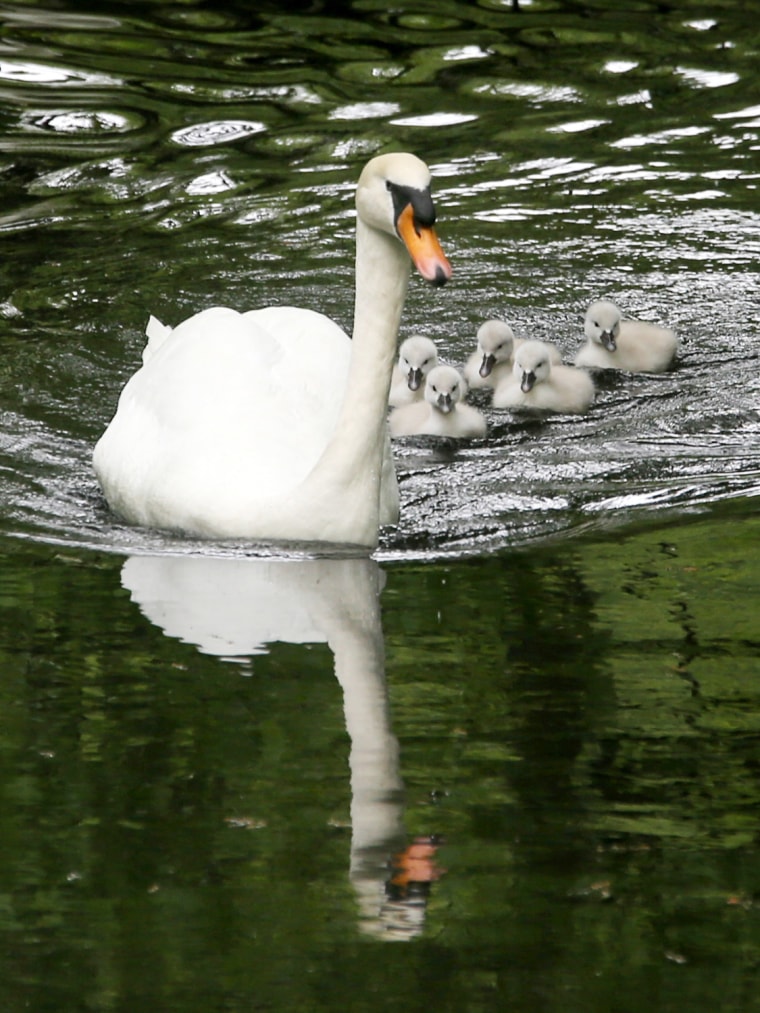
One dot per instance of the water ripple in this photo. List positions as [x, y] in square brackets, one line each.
[175, 157]
[201, 135]
[26, 72]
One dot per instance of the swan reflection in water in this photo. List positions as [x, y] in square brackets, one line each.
[234, 608]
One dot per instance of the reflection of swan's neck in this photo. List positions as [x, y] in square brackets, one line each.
[352, 460]
[376, 787]
[375, 780]
[357, 644]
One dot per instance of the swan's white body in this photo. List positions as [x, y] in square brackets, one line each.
[537, 383]
[271, 424]
[492, 361]
[416, 357]
[443, 412]
[633, 345]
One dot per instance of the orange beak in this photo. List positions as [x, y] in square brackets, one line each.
[424, 248]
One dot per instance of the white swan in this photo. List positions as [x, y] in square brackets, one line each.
[492, 360]
[633, 345]
[271, 424]
[416, 357]
[538, 383]
[443, 412]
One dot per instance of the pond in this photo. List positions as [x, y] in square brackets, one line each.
[522, 738]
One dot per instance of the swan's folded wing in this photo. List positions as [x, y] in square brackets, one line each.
[224, 407]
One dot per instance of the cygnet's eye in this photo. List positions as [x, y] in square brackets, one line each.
[426, 361]
[435, 389]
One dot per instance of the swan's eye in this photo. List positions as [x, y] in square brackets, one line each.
[435, 389]
[422, 203]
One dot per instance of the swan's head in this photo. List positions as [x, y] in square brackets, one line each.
[532, 364]
[444, 387]
[496, 341]
[602, 324]
[416, 357]
[393, 196]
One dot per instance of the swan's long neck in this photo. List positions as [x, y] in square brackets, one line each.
[382, 278]
[353, 458]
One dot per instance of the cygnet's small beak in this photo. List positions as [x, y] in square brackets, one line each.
[445, 404]
[414, 379]
[607, 338]
[527, 382]
[487, 365]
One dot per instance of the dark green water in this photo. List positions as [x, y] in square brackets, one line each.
[574, 728]
[552, 708]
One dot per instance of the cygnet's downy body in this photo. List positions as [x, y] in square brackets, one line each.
[442, 412]
[537, 383]
[492, 360]
[416, 357]
[632, 345]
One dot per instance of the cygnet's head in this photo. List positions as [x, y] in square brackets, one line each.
[603, 324]
[496, 341]
[532, 364]
[444, 386]
[417, 356]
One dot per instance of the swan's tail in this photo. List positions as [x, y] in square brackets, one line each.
[157, 334]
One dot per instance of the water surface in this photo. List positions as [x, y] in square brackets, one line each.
[523, 738]
[540, 770]
[163, 159]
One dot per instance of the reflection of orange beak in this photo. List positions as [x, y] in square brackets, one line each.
[424, 248]
[416, 864]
